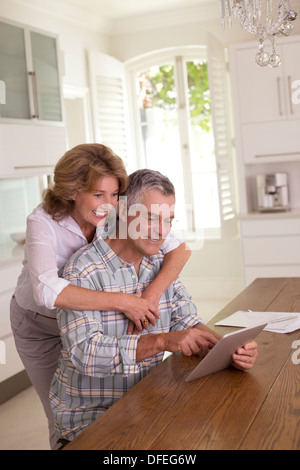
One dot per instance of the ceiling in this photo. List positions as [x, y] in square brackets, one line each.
[125, 16]
[117, 9]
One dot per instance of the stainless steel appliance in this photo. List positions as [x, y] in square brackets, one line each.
[272, 192]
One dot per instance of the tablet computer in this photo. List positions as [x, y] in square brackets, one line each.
[219, 357]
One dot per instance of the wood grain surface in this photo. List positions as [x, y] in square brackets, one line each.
[231, 409]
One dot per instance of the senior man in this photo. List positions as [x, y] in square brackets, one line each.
[100, 361]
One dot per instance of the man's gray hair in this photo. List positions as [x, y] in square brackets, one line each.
[144, 180]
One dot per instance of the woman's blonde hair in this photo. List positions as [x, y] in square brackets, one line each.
[78, 170]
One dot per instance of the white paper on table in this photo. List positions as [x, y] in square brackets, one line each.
[278, 322]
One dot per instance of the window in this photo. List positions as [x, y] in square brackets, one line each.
[178, 125]
[173, 114]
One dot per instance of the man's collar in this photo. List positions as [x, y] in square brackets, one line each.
[112, 260]
[107, 254]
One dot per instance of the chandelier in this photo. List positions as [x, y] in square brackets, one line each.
[266, 19]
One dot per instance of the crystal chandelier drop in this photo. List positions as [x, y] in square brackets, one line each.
[266, 19]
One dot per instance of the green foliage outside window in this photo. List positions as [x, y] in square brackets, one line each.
[157, 86]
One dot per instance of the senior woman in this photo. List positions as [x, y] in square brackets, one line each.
[86, 177]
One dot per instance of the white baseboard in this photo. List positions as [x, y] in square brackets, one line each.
[213, 288]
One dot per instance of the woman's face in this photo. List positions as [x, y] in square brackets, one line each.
[92, 208]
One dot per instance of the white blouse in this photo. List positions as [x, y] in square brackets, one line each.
[49, 245]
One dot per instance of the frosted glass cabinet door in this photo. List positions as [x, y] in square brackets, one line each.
[13, 72]
[46, 80]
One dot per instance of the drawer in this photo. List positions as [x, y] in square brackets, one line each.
[5, 328]
[271, 251]
[9, 276]
[270, 227]
[272, 148]
[13, 363]
[253, 272]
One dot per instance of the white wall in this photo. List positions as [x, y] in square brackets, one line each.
[131, 44]
[141, 35]
[215, 271]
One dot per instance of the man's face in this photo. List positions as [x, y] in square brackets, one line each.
[150, 222]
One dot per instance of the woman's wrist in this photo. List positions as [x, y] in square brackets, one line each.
[153, 293]
[120, 301]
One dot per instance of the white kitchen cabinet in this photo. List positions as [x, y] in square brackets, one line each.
[267, 119]
[32, 128]
[267, 135]
[13, 364]
[29, 68]
[270, 245]
[265, 93]
[30, 150]
[9, 273]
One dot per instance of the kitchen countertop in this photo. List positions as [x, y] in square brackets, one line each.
[11, 253]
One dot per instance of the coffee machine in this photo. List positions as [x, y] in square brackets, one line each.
[272, 192]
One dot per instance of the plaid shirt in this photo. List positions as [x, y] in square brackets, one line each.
[98, 359]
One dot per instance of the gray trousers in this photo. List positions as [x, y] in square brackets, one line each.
[38, 343]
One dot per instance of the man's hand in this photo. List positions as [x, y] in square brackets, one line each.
[190, 341]
[245, 357]
[198, 340]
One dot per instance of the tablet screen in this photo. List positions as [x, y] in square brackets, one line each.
[220, 356]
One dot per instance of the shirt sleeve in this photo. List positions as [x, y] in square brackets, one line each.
[41, 257]
[184, 311]
[171, 243]
[92, 352]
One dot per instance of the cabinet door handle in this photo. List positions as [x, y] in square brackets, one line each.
[35, 95]
[279, 96]
[282, 154]
[290, 94]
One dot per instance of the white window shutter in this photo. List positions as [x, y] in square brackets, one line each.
[109, 102]
[218, 83]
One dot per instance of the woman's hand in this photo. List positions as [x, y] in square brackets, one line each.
[140, 312]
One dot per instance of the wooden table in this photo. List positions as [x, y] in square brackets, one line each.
[259, 409]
